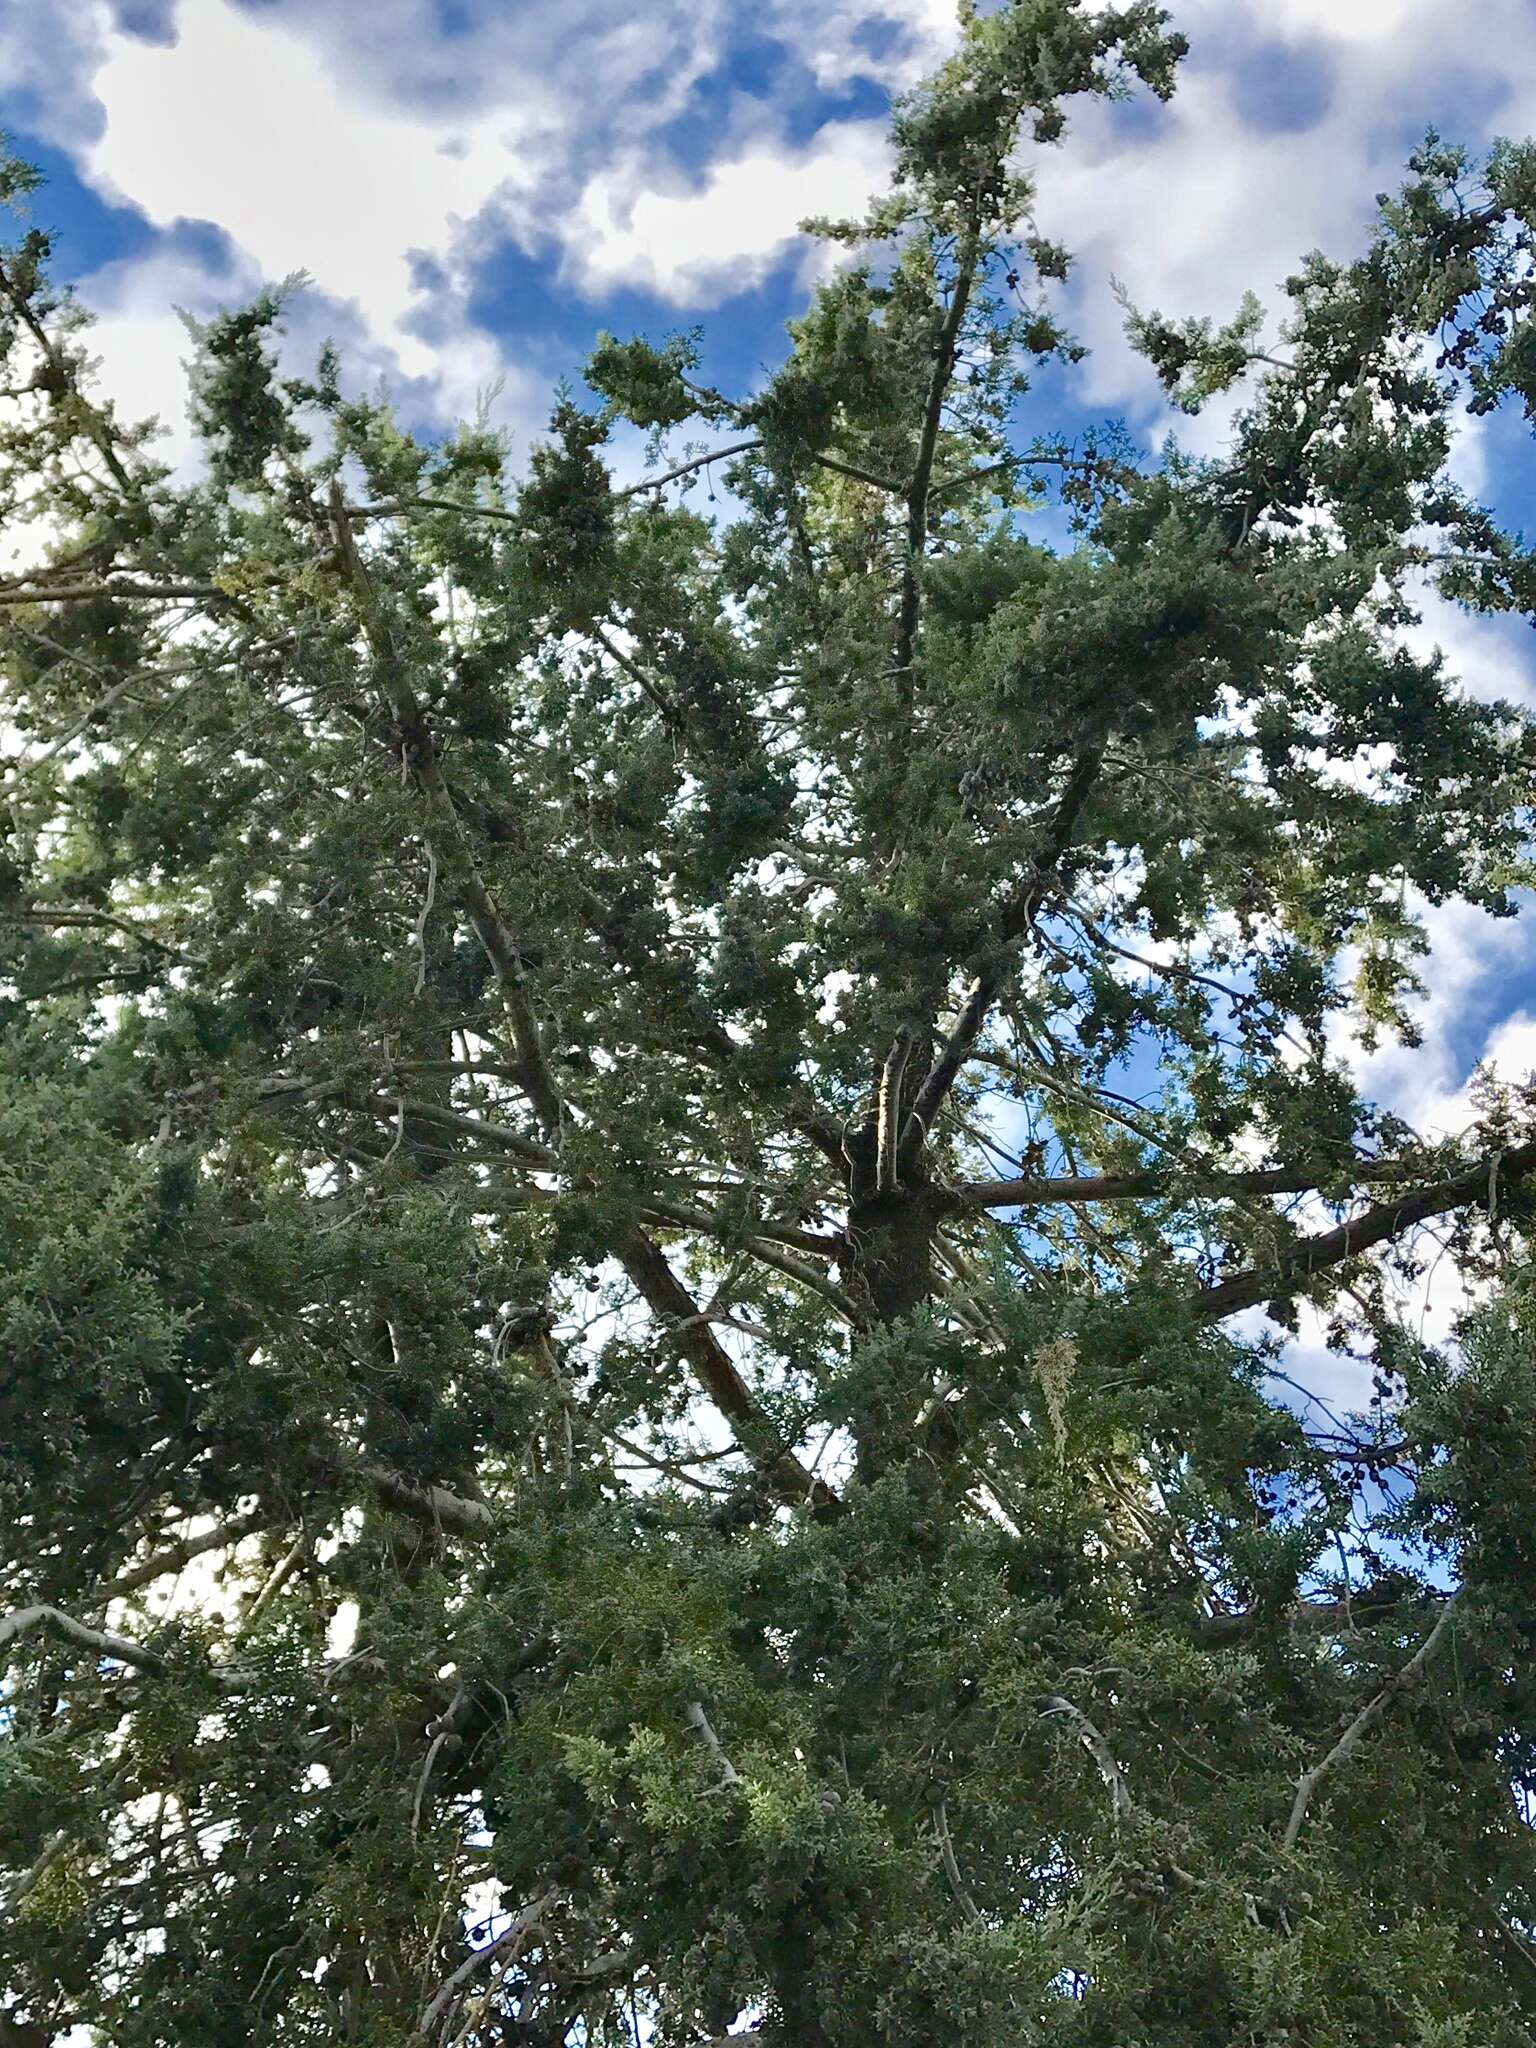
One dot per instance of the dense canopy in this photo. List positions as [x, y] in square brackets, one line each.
[659, 1141]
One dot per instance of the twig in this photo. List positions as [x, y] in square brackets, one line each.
[654, 483]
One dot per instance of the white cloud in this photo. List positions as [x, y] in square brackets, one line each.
[1473, 956]
[1492, 655]
[1354, 21]
[832, 38]
[47, 56]
[299, 174]
[699, 246]
[1430, 1087]
[392, 166]
[1508, 1052]
[343, 152]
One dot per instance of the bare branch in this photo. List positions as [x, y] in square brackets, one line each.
[475, 1965]
[888, 1112]
[176, 1555]
[767, 1245]
[1304, 1617]
[423, 916]
[443, 1730]
[671, 716]
[279, 1576]
[1120, 1800]
[23, 1621]
[1364, 1721]
[88, 593]
[1192, 1182]
[670, 476]
[498, 1135]
[699, 1721]
[389, 508]
[434, 1506]
[963, 1898]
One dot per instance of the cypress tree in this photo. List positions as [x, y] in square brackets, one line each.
[656, 1163]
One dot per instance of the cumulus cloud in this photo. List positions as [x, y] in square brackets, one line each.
[48, 57]
[425, 143]
[897, 42]
[395, 165]
[1492, 655]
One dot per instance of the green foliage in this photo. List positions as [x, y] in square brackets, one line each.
[644, 384]
[551, 1494]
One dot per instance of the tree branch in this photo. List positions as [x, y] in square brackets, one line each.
[452, 1120]
[671, 717]
[1044, 1189]
[1375, 1226]
[945, 344]
[1017, 918]
[1364, 1721]
[1304, 1618]
[670, 476]
[673, 1306]
[1120, 1800]
[176, 1555]
[453, 849]
[86, 593]
[23, 1621]
[699, 1721]
[433, 1506]
[947, 1857]
[481, 1960]
[765, 1245]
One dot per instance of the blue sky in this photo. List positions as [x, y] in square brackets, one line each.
[477, 186]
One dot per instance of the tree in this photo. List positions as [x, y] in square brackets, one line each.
[569, 1174]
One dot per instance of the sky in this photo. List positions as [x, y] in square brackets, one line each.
[476, 187]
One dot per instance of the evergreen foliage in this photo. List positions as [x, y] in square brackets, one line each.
[570, 1177]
